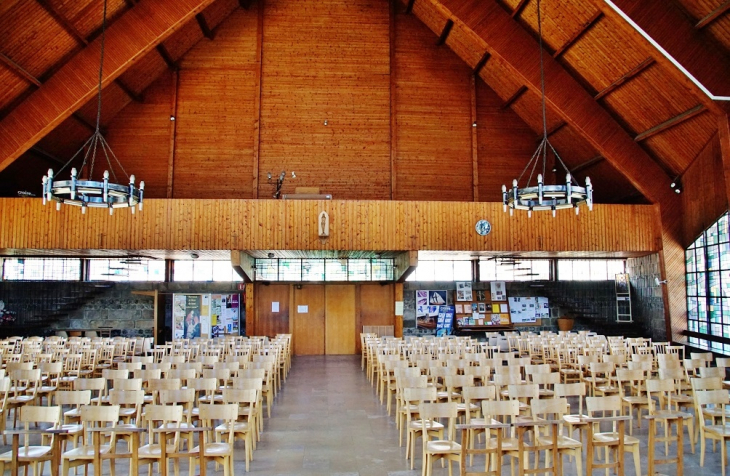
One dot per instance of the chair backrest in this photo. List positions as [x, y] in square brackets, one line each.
[158, 415]
[631, 377]
[660, 388]
[504, 411]
[31, 414]
[244, 383]
[438, 411]
[73, 397]
[524, 392]
[718, 399]
[97, 416]
[129, 366]
[128, 384]
[225, 412]
[607, 406]
[707, 383]
[712, 372]
[547, 408]
[419, 394]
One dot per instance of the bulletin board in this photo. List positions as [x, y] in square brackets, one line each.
[481, 309]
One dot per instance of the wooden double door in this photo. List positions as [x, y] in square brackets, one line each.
[323, 319]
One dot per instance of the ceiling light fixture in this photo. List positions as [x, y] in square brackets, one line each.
[542, 196]
[89, 192]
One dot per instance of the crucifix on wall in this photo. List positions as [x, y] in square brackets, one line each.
[324, 224]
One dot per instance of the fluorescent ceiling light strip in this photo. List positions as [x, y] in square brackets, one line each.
[666, 54]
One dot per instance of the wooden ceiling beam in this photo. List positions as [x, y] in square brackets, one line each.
[517, 49]
[556, 128]
[409, 7]
[445, 33]
[713, 15]
[63, 22]
[482, 63]
[578, 34]
[587, 164]
[512, 99]
[625, 78]
[518, 9]
[669, 123]
[245, 4]
[669, 27]
[165, 55]
[19, 70]
[40, 152]
[128, 39]
[203, 24]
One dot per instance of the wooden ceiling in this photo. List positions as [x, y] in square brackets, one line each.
[616, 107]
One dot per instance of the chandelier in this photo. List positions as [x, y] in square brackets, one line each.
[89, 192]
[542, 196]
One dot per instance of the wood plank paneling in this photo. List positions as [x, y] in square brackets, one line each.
[177, 224]
[702, 209]
[433, 113]
[269, 323]
[326, 61]
[376, 305]
[308, 328]
[340, 330]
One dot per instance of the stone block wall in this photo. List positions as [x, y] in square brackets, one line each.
[647, 304]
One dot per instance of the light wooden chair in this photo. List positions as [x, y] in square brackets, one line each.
[50, 374]
[161, 416]
[33, 454]
[663, 390]
[24, 385]
[573, 421]
[245, 426]
[413, 397]
[220, 451]
[73, 399]
[473, 397]
[635, 398]
[610, 406]
[718, 401]
[505, 412]
[445, 448]
[556, 409]
[92, 417]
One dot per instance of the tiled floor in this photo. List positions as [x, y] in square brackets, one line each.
[327, 421]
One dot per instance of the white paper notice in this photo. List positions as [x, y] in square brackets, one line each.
[275, 306]
[303, 309]
[399, 308]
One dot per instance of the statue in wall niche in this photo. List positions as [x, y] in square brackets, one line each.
[324, 225]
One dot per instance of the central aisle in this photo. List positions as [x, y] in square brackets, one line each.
[327, 421]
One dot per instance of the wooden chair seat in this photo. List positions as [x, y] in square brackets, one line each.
[26, 452]
[154, 451]
[611, 436]
[214, 449]
[85, 452]
[431, 425]
[443, 446]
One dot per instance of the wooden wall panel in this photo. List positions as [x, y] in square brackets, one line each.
[433, 114]
[270, 323]
[308, 328]
[214, 143]
[505, 144]
[326, 60]
[376, 305]
[340, 331]
[140, 137]
[702, 209]
[354, 225]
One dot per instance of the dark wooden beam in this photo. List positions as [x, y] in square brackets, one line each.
[130, 3]
[522, 90]
[579, 34]
[556, 128]
[63, 22]
[409, 8]
[587, 164]
[81, 120]
[45, 154]
[518, 9]
[128, 91]
[245, 4]
[482, 62]
[18, 70]
[626, 77]
[162, 51]
[445, 32]
[713, 15]
[669, 123]
[630, 198]
[203, 24]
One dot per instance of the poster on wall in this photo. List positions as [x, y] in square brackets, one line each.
[499, 291]
[224, 314]
[178, 316]
[523, 309]
[445, 320]
[543, 308]
[463, 291]
[427, 307]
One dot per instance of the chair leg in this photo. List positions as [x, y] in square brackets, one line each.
[637, 462]
[702, 450]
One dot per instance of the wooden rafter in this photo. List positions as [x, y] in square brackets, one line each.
[482, 62]
[19, 70]
[517, 49]
[669, 123]
[587, 164]
[676, 34]
[579, 34]
[165, 55]
[38, 151]
[63, 22]
[556, 128]
[203, 24]
[713, 15]
[512, 99]
[625, 78]
[445, 33]
[409, 7]
[518, 9]
[128, 39]
[245, 4]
